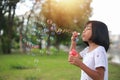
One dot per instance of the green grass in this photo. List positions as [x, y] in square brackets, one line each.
[114, 72]
[43, 67]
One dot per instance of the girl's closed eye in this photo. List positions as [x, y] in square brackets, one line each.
[88, 28]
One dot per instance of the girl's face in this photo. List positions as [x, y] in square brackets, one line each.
[87, 32]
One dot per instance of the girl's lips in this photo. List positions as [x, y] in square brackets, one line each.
[83, 35]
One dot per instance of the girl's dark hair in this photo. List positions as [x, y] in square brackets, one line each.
[100, 34]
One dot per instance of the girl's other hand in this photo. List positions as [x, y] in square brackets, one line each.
[74, 60]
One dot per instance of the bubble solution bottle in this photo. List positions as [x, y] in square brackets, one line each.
[73, 52]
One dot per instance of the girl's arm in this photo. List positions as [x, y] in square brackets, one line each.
[97, 74]
[73, 40]
[73, 45]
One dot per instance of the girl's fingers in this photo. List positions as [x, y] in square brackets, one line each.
[71, 58]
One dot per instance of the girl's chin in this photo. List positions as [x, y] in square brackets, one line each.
[84, 39]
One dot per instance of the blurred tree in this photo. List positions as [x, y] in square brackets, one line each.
[68, 15]
[7, 14]
[31, 28]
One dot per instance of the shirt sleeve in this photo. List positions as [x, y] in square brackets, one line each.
[100, 58]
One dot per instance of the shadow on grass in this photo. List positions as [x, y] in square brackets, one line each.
[20, 67]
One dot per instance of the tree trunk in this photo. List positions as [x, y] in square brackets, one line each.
[7, 39]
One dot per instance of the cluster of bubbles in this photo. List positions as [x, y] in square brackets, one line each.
[59, 30]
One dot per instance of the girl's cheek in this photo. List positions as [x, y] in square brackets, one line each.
[83, 37]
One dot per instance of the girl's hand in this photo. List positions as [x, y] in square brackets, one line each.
[74, 35]
[73, 38]
[74, 60]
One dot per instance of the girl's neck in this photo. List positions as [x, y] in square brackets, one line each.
[92, 46]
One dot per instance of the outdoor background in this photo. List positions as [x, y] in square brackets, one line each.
[35, 37]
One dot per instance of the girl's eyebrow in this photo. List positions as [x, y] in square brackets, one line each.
[88, 26]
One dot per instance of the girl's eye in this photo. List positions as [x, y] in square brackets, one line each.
[88, 28]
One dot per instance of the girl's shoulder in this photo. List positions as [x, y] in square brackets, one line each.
[100, 48]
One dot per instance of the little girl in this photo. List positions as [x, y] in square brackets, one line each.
[94, 65]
